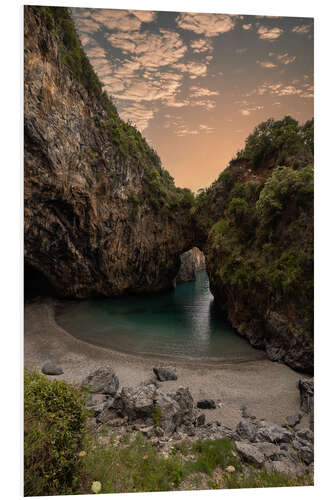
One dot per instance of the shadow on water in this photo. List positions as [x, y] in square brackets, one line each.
[182, 323]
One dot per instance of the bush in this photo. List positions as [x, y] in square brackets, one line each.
[54, 434]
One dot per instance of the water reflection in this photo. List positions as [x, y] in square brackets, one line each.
[183, 322]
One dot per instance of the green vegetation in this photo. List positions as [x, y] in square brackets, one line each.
[277, 142]
[54, 434]
[61, 457]
[156, 415]
[211, 454]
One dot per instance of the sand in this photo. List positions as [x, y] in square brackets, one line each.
[269, 390]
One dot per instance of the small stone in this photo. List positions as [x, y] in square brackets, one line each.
[51, 369]
[206, 404]
[164, 373]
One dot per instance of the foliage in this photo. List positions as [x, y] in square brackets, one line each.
[277, 141]
[156, 415]
[54, 434]
[284, 185]
[210, 454]
[263, 479]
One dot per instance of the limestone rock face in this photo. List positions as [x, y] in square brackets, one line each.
[92, 224]
[191, 262]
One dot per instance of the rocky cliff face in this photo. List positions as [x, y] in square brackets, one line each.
[191, 262]
[256, 226]
[101, 214]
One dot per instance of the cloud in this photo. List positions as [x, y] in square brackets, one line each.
[85, 25]
[201, 45]
[269, 33]
[192, 68]
[206, 24]
[145, 16]
[301, 30]
[282, 90]
[286, 59]
[241, 51]
[137, 114]
[202, 92]
[247, 27]
[266, 64]
[204, 103]
[122, 20]
[246, 111]
[149, 49]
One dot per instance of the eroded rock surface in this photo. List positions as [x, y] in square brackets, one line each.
[101, 214]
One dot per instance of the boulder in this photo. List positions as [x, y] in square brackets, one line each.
[164, 373]
[306, 389]
[246, 429]
[304, 450]
[170, 413]
[250, 453]
[269, 450]
[206, 404]
[293, 420]
[283, 467]
[103, 380]
[273, 433]
[51, 369]
[136, 403]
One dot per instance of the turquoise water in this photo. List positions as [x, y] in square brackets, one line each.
[181, 323]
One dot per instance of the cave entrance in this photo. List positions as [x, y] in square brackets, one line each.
[191, 262]
[36, 284]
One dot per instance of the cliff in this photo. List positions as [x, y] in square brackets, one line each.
[256, 227]
[191, 262]
[101, 214]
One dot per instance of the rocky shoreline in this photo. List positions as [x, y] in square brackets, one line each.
[167, 419]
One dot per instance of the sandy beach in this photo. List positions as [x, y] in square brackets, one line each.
[269, 390]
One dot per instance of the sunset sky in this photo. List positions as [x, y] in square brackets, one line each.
[196, 85]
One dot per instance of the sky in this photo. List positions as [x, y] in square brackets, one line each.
[196, 85]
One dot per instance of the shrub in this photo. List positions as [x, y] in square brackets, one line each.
[156, 415]
[212, 453]
[54, 433]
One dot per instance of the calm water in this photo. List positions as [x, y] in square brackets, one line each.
[181, 323]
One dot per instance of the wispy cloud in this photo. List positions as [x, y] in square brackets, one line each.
[145, 16]
[202, 92]
[149, 49]
[241, 51]
[201, 45]
[192, 68]
[269, 33]
[206, 24]
[266, 64]
[301, 30]
[286, 58]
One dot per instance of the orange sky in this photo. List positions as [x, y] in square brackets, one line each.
[197, 84]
